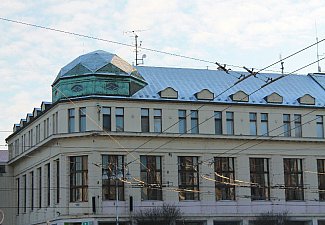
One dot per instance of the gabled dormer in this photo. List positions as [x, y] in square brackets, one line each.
[168, 92]
[204, 94]
[22, 123]
[274, 98]
[29, 117]
[240, 96]
[306, 99]
[16, 127]
[45, 106]
[36, 112]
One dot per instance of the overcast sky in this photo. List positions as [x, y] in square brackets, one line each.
[249, 33]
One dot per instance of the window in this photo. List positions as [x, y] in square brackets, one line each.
[321, 178]
[144, 120]
[252, 124]
[119, 119]
[78, 179]
[225, 178]
[151, 175]
[71, 120]
[57, 181]
[55, 123]
[218, 122]
[48, 182]
[24, 142]
[2, 169]
[32, 190]
[25, 193]
[298, 130]
[264, 124]
[320, 126]
[31, 138]
[286, 125]
[82, 119]
[112, 173]
[38, 133]
[230, 123]
[107, 118]
[157, 120]
[18, 195]
[39, 170]
[293, 179]
[182, 121]
[47, 127]
[194, 122]
[260, 181]
[16, 147]
[188, 178]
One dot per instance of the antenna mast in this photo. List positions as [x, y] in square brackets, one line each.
[318, 66]
[138, 60]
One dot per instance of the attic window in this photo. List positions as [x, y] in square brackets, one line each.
[240, 96]
[274, 98]
[307, 99]
[168, 93]
[204, 94]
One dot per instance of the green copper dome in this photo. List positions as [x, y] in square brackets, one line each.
[96, 73]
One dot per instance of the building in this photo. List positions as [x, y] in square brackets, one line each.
[223, 153]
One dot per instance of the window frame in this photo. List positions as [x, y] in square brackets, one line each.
[321, 178]
[71, 120]
[194, 122]
[298, 125]
[119, 119]
[293, 191]
[182, 126]
[253, 123]
[218, 122]
[230, 124]
[286, 125]
[145, 125]
[264, 124]
[74, 174]
[157, 118]
[82, 119]
[107, 118]
[320, 126]
[224, 169]
[260, 178]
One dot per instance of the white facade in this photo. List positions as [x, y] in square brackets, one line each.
[47, 197]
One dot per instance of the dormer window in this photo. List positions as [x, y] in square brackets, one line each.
[204, 94]
[240, 96]
[168, 92]
[307, 99]
[274, 98]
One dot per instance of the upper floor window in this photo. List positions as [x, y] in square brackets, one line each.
[31, 183]
[82, 119]
[194, 122]
[39, 178]
[321, 178]
[112, 173]
[225, 178]
[144, 120]
[293, 179]
[16, 147]
[230, 122]
[320, 126]
[107, 118]
[78, 178]
[188, 178]
[71, 120]
[119, 118]
[252, 124]
[182, 121]
[286, 125]
[38, 133]
[157, 120]
[218, 122]
[55, 123]
[264, 124]
[2, 169]
[48, 184]
[31, 138]
[298, 130]
[260, 180]
[151, 175]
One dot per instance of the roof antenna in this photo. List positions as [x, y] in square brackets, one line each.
[318, 66]
[138, 61]
[282, 64]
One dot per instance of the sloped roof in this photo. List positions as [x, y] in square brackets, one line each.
[190, 81]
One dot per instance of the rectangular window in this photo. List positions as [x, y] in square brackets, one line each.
[31, 138]
[182, 121]
[321, 178]
[32, 190]
[298, 129]
[286, 125]
[48, 184]
[71, 120]
[112, 175]
[252, 124]
[2, 169]
[194, 122]
[24, 142]
[16, 147]
[25, 193]
[82, 119]
[264, 124]
[107, 118]
[157, 120]
[144, 120]
[225, 178]
[293, 179]
[320, 126]
[119, 115]
[57, 181]
[18, 194]
[38, 133]
[260, 180]
[78, 178]
[47, 127]
[188, 178]
[54, 124]
[230, 123]
[218, 122]
[39, 170]
[151, 174]
[44, 129]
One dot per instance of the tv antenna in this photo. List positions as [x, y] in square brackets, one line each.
[282, 64]
[138, 61]
[319, 69]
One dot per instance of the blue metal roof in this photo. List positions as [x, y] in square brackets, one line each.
[190, 81]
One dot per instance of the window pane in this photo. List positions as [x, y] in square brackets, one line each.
[230, 122]
[224, 176]
[218, 122]
[119, 119]
[194, 122]
[182, 121]
[144, 120]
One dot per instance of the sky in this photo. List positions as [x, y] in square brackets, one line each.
[238, 33]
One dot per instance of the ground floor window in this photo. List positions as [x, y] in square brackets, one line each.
[113, 223]
[189, 223]
[226, 223]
